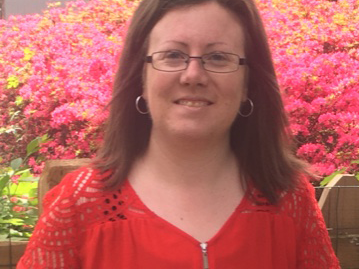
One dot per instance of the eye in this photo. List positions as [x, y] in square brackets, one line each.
[217, 57]
[173, 55]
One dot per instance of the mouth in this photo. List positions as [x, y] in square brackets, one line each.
[193, 103]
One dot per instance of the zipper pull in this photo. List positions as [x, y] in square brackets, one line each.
[204, 255]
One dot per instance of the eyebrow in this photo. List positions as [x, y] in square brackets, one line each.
[186, 45]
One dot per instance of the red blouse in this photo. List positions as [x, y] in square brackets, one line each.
[84, 227]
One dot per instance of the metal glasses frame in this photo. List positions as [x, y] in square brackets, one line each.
[241, 61]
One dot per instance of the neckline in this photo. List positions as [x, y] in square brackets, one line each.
[241, 205]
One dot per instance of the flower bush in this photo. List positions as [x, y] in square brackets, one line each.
[315, 45]
[56, 73]
[18, 195]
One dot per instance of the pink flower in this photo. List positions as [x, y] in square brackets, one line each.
[14, 179]
[19, 208]
[14, 199]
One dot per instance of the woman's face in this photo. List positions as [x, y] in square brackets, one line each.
[195, 103]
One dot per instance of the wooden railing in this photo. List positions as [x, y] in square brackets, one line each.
[339, 203]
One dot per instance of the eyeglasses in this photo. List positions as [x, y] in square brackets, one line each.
[217, 62]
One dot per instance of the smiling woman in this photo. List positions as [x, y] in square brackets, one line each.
[203, 100]
[193, 178]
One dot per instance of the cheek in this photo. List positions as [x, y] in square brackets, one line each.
[236, 90]
[156, 91]
[159, 85]
[241, 89]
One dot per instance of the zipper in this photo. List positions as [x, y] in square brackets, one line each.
[204, 255]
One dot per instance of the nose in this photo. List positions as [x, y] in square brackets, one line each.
[195, 73]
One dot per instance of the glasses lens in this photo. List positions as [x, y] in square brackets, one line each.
[169, 60]
[218, 62]
[221, 62]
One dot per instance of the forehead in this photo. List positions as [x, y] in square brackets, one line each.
[198, 26]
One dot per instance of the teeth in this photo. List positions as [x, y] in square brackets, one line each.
[193, 103]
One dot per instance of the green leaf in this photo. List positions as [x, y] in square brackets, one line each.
[356, 161]
[23, 171]
[3, 182]
[29, 179]
[33, 146]
[45, 138]
[357, 176]
[18, 100]
[34, 202]
[16, 222]
[327, 179]
[33, 192]
[23, 188]
[15, 233]
[15, 164]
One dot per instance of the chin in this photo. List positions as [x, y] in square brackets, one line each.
[194, 133]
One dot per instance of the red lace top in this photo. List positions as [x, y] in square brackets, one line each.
[84, 227]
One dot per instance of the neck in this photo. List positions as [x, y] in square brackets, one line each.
[188, 163]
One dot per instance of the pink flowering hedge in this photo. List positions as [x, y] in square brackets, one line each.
[315, 46]
[56, 72]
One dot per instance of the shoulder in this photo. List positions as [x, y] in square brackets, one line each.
[302, 197]
[289, 200]
[298, 203]
[74, 185]
[83, 196]
[81, 177]
[55, 238]
[301, 205]
[314, 246]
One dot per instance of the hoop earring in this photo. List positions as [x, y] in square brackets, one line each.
[251, 110]
[138, 107]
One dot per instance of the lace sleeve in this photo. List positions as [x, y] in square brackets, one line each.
[314, 245]
[53, 243]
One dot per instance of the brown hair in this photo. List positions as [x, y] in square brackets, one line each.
[261, 142]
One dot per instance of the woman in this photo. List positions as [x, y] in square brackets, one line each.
[196, 169]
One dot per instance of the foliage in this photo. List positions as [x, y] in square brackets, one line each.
[56, 73]
[18, 195]
[327, 179]
[315, 46]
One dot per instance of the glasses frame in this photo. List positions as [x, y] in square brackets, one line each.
[241, 61]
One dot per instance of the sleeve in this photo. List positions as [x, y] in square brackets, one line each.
[54, 241]
[314, 246]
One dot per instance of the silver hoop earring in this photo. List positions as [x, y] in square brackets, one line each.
[138, 106]
[251, 110]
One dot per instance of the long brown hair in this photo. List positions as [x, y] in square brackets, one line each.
[261, 141]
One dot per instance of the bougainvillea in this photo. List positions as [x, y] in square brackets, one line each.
[56, 72]
[56, 76]
[315, 45]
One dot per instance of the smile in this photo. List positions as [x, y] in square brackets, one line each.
[193, 103]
